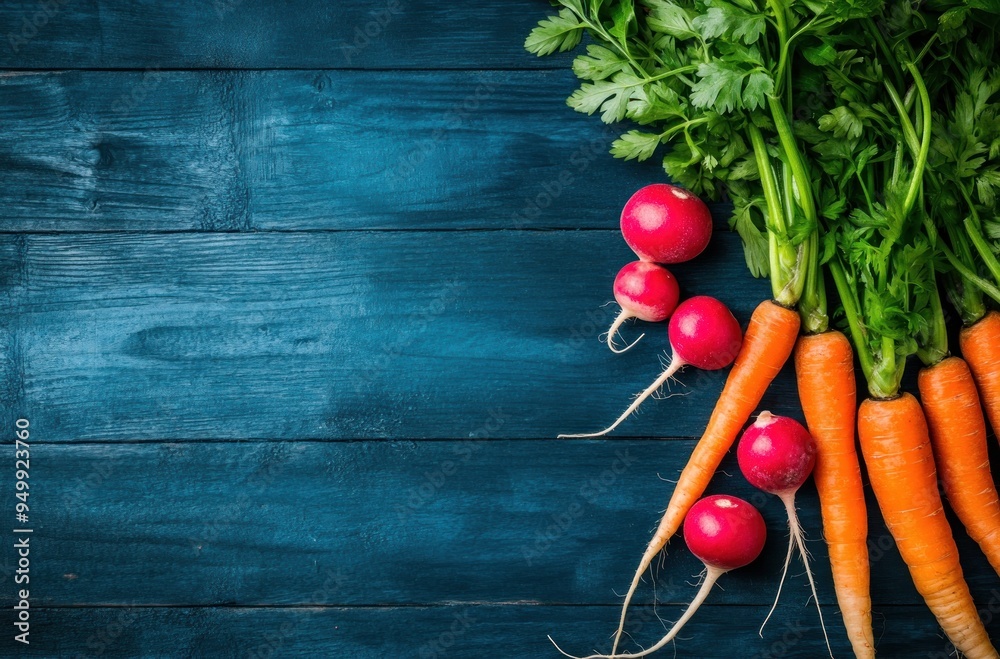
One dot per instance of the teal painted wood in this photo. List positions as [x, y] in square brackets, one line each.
[402, 523]
[342, 335]
[302, 150]
[256, 34]
[314, 525]
[514, 630]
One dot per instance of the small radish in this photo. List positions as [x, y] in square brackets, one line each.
[646, 291]
[666, 224]
[776, 454]
[703, 333]
[725, 533]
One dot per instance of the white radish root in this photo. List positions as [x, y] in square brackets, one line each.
[712, 575]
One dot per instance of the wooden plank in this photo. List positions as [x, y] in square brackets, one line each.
[455, 631]
[297, 150]
[256, 34]
[414, 523]
[344, 335]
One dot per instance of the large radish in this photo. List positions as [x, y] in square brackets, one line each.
[777, 454]
[666, 224]
[646, 291]
[703, 333]
[725, 533]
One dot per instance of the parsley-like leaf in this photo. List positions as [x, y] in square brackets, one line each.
[556, 33]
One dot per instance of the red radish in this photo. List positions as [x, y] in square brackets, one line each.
[646, 291]
[726, 533]
[703, 333]
[666, 224]
[777, 454]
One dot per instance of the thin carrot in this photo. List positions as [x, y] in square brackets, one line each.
[767, 344]
[980, 343]
[824, 368]
[958, 436]
[897, 451]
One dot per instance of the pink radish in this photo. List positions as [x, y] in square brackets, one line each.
[646, 291]
[704, 334]
[726, 533]
[666, 224]
[776, 454]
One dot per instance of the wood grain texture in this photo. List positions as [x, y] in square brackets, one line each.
[471, 632]
[294, 150]
[403, 523]
[342, 335]
[256, 34]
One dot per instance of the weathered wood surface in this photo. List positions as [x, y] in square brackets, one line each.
[341, 335]
[294, 348]
[257, 34]
[294, 150]
[513, 630]
[396, 523]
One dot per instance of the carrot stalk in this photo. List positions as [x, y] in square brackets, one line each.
[824, 368]
[897, 451]
[980, 344]
[767, 344]
[958, 436]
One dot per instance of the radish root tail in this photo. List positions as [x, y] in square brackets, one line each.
[784, 573]
[622, 317]
[711, 576]
[796, 538]
[676, 364]
[799, 536]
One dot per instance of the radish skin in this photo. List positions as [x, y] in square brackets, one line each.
[666, 224]
[646, 291]
[777, 454]
[725, 533]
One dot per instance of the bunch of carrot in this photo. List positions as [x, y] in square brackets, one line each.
[890, 194]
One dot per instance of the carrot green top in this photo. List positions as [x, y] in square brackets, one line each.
[713, 81]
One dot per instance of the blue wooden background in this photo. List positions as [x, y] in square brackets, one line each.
[296, 311]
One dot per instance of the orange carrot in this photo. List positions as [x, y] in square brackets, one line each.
[958, 436]
[767, 344]
[824, 368]
[897, 451]
[980, 343]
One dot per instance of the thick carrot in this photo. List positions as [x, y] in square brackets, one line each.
[980, 344]
[958, 435]
[897, 451]
[767, 344]
[824, 368]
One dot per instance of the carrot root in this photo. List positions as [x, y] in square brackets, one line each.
[824, 368]
[958, 436]
[980, 344]
[896, 446]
